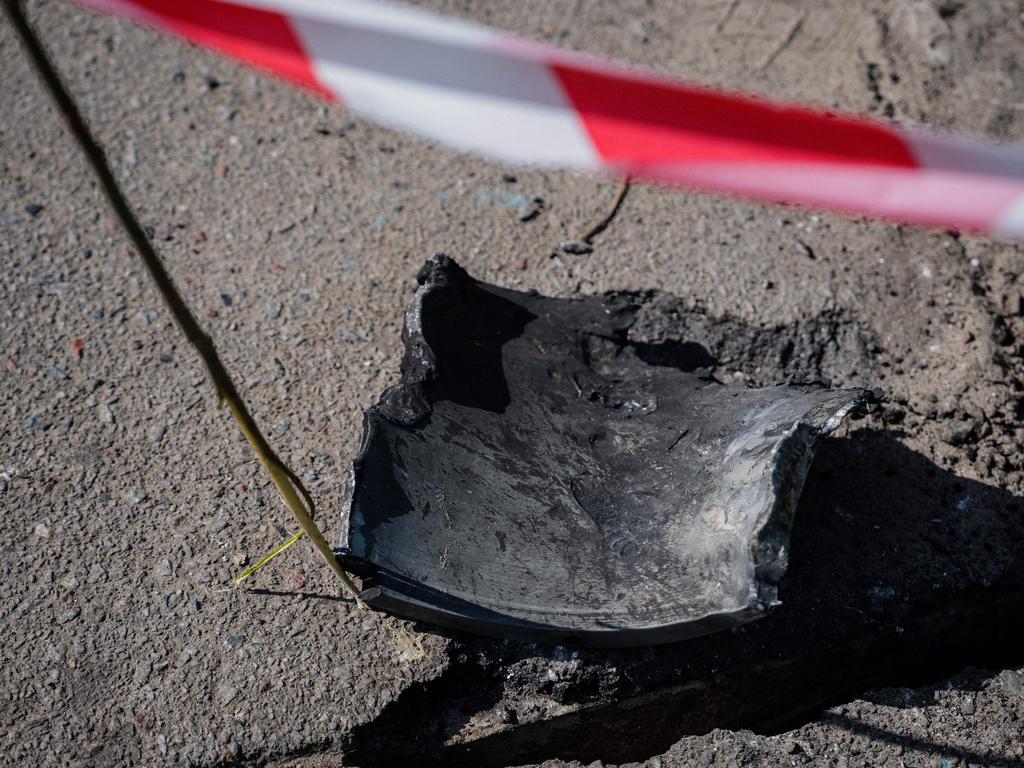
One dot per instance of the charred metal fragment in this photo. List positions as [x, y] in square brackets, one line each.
[538, 475]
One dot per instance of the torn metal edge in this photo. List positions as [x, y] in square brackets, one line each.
[405, 403]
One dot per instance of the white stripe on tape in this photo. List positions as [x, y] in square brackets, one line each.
[481, 100]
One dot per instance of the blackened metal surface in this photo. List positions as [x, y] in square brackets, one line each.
[537, 475]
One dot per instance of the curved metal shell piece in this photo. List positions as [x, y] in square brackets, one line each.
[537, 475]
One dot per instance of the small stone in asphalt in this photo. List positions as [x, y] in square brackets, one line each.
[959, 432]
[33, 209]
[1012, 681]
[156, 433]
[226, 692]
[273, 309]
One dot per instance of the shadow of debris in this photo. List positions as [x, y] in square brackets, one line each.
[467, 337]
[901, 573]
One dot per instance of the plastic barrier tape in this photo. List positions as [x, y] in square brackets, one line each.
[482, 91]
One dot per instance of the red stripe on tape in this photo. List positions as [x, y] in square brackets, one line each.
[635, 124]
[262, 38]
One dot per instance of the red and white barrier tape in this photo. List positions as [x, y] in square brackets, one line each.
[521, 102]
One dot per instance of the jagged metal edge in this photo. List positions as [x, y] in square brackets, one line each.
[419, 365]
[405, 403]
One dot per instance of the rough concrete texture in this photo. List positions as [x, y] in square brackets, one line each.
[295, 230]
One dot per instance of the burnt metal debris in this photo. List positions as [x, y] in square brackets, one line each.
[538, 475]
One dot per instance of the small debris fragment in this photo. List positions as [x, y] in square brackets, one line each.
[959, 432]
[33, 209]
[97, 574]
[577, 248]
[968, 706]
[106, 414]
[226, 693]
[536, 206]
[1013, 682]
